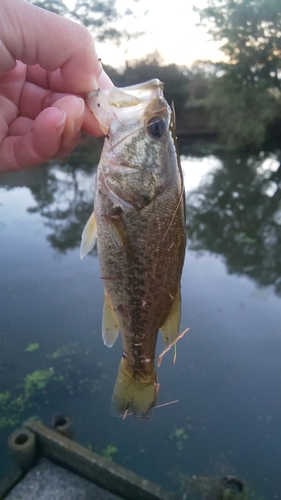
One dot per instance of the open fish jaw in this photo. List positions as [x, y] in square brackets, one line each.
[127, 104]
[134, 167]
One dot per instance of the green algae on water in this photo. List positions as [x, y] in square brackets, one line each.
[109, 451]
[181, 434]
[37, 380]
[67, 350]
[71, 373]
[4, 396]
[32, 347]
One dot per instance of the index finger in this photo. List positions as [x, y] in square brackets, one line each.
[34, 35]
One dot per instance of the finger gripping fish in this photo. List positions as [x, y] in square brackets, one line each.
[138, 223]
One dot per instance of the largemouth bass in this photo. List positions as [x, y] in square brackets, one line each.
[139, 224]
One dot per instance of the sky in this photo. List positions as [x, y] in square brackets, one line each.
[170, 28]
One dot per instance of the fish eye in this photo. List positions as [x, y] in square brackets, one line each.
[156, 127]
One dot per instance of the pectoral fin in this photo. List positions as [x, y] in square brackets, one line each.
[110, 325]
[89, 236]
[170, 329]
[119, 236]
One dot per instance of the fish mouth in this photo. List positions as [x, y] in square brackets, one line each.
[127, 104]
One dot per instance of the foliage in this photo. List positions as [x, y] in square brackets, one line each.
[56, 6]
[245, 95]
[250, 31]
[100, 16]
[242, 113]
[199, 84]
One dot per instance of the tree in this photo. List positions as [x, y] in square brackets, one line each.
[56, 6]
[245, 98]
[251, 34]
[99, 15]
[242, 113]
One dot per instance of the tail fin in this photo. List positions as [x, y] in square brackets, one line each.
[135, 393]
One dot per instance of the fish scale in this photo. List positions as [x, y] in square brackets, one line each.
[140, 231]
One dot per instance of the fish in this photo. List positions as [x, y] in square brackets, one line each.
[138, 224]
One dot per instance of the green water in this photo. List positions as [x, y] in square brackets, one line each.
[227, 377]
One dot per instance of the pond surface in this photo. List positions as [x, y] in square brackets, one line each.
[227, 376]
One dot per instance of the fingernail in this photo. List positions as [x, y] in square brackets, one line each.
[63, 118]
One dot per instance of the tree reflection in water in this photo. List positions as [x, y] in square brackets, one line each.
[237, 214]
[65, 198]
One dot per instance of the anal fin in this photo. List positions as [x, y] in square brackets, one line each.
[170, 329]
[110, 325]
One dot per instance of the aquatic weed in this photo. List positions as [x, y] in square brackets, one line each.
[66, 351]
[8, 422]
[37, 380]
[4, 396]
[68, 375]
[32, 347]
[181, 434]
[109, 451]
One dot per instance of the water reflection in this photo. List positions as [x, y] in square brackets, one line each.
[233, 206]
[236, 213]
[227, 375]
[63, 193]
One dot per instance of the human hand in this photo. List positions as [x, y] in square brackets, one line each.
[47, 63]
